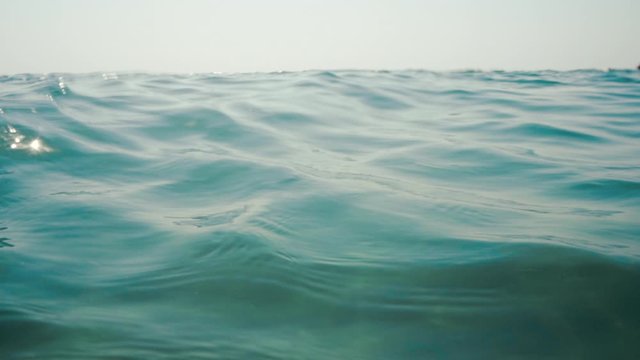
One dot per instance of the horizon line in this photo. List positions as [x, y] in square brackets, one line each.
[284, 71]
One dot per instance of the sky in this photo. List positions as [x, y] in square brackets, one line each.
[187, 36]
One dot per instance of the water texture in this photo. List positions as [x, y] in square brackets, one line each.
[320, 215]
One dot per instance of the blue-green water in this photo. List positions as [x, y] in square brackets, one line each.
[320, 215]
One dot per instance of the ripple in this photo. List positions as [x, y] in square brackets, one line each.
[607, 189]
[547, 131]
[216, 219]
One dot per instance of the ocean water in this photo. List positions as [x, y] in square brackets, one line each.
[320, 215]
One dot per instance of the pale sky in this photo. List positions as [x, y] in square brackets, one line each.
[269, 35]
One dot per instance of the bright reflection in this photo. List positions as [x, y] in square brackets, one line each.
[36, 145]
[62, 86]
[110, 76]
[17, 141]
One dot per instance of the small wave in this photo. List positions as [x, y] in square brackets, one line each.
[607, 189]
[535, 130]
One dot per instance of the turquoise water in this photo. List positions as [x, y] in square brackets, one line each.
[320, 215]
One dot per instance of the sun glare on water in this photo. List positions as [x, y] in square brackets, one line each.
[19, 142]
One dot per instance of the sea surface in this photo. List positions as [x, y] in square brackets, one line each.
[320, 215]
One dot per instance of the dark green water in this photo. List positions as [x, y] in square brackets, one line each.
[320, 215]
